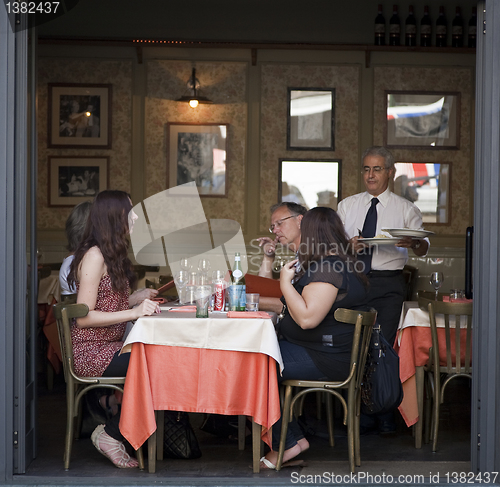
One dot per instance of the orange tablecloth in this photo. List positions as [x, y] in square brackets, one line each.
[163, 377]
[412, 346]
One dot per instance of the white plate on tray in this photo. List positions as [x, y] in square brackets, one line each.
[379, 241]
[407, 232]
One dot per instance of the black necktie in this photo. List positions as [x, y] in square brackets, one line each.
[369, 230]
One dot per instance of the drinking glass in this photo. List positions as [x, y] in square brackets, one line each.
[181, 280]
[436, 280]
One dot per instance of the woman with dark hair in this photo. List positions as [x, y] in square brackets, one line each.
[315, 346]
[103, 276]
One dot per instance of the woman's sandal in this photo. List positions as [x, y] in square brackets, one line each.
[112, 449]
[290, 463]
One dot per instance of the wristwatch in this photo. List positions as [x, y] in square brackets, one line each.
[416, 244]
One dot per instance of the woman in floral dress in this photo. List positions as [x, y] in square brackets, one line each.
[103, 275]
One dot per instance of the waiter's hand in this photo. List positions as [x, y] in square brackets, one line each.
[357, 245]
[407, 242]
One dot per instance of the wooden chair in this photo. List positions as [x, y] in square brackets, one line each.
[363, 322]
[77, 386]
[440, 375]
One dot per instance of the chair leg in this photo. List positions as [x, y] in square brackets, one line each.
[429, 393]
[357, 439]
[285, 419]
[435, 415]
[319, 400]
[70, 421]
[329, 418]
[419, 379]
[350, 435]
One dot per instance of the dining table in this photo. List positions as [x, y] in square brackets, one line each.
[412, 344]
[225, 364]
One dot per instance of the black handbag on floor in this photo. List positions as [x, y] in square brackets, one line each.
[179, 441]
[381, 389]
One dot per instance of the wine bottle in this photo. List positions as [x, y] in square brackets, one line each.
[471, 37]
[426, 29]
[237, 289]
[441, 29]
[394, 28]
[410, 28]
[380, 28]
[457, 30]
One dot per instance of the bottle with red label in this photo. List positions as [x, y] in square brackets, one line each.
[219, 291]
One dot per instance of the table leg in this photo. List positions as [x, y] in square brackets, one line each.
[160, 429]
[256, 442]
[152, 450]
[419, 379]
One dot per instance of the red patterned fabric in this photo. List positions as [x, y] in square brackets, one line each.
[93, 348]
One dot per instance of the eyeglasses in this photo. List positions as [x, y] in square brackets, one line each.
[280, 222]
[375, 169]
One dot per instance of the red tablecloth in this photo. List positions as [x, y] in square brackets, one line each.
[413, 351]
[163, 377]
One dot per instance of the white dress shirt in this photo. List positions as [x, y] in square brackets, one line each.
[63, 276]
[393, 211]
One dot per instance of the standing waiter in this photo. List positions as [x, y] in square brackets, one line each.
[368, 213]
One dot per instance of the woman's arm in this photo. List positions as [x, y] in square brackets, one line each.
[309, 309]
[140, 295]
[91, 270]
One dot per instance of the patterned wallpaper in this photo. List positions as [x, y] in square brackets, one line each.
[224, 84]
[435, 79]
[61, 70]
[276, 78]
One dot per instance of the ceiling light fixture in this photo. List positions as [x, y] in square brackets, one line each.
[194, 99]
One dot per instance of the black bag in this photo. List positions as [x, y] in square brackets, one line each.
[381, 389]
[179, 441]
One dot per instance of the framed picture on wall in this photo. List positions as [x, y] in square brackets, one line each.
[198, 152]
[427, 185]
[76, 179]
[79, 116]
[310, 121]
[310, 182]
[422, 120]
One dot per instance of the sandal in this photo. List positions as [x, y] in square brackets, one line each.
[290, 463]
[112, 449]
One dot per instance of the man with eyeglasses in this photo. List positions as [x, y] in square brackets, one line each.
[365, 215]
[285, 225]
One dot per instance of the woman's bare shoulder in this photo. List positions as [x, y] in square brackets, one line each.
[94, 258]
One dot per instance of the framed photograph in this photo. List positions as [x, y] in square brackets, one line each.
[198, 152]
[427, 185]
[310, 121]
[76, 179]
[422, 120]
[79, 116]
[310, 182]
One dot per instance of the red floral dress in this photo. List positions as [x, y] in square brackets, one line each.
[94, 347]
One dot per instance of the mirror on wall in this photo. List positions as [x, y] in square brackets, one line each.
[427, 184]
[310, 182]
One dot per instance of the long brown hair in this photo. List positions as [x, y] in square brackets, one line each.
[107, 228]
[322, 234]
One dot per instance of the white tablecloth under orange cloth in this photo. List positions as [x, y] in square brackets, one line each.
[412, 345]
[197, 380]
[213, 365]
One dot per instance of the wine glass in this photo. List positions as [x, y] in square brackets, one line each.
[184, 264]
[436, 280]
[204, 266]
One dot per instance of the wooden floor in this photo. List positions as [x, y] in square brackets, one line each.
[223, 464]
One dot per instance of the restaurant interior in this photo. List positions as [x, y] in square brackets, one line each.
[245, 60]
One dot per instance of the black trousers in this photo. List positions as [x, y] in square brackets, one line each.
[386, 294]
[117, 368]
